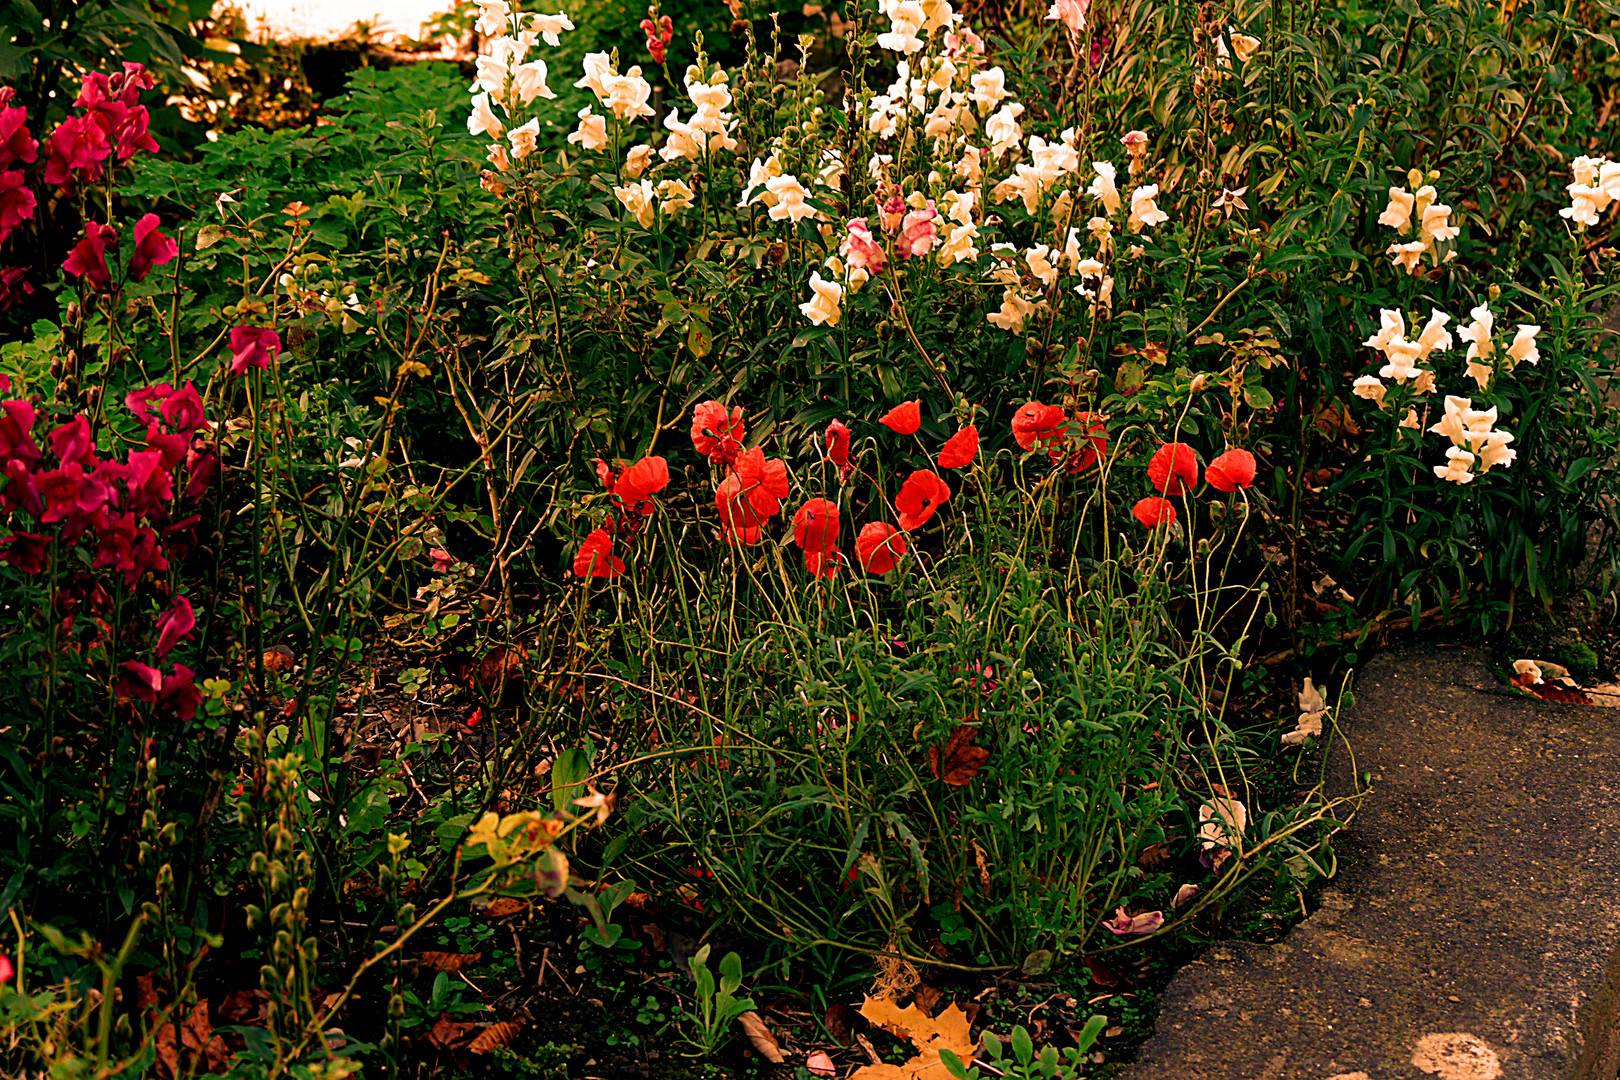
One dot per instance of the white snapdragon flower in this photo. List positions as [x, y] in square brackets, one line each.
[885, 118]
[483, 120]
[1392, 325]
[1436, 227]
[523, 139]
[1040, 260]
[638, 199]
[1243, 46]
[1144, 211]
[1456, 468]
[599, 74]
[674, 196]
[1403, 358]
[1102, 187]
[1523, 350]
[989, 88]
[492, 17]
[1014, 310]
[549, 26]
[825, 296]
[1453, 424]
[1495, 451]
[529, 82]
[1409, 255]
[1398, 214]
[628, 96]
[1434, 336]
[637, 160]
[682, 143]
[958, 245]
[906, 18]
[1370, 387]
[790, 203]
[759, 173]
[592, 131]
[1002, 129]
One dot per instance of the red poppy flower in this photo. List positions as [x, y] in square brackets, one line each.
[716, 434]
[921, 494]
[878, 545]
[1039, 426]
[253, 347]
[739, 521]
[1232, 470]
[815, 526]
[904, 419]
[837, 439]
[1154, 511]
[764, 481]
[1093, 444]
[596, 558]
[1173, 468]
[642, 481]
[960, 449]
[821, 563]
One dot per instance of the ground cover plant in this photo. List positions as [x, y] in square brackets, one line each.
[803, 512]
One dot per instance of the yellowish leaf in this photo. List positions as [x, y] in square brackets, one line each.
[761, 1037]
[950, 1030]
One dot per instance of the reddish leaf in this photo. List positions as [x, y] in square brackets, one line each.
[449, 961]
[960, 761]
[447, 1034]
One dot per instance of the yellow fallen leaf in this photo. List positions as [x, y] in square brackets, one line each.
[950, 1030]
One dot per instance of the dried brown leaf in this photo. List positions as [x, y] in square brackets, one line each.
[496, 1035]
[761, 1037]
[950, 1030]
[448, 1034]
[449, 961]
[960, 761]
[840, 1021]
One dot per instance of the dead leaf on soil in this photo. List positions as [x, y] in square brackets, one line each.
[1549, 682]
[840, 1021]
[761, 1037]
[496, 1035]
[819, 1064]
[503, 906]
[1101, 973]
[950, 1030]
[926, 998]
[449, 961]
[960, 761]
[449, 1034]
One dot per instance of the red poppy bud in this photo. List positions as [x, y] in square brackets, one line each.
[1173, 468]
[1154, 511]
[1232, 470]
[878, 545]
[960, 449]
[903, 419]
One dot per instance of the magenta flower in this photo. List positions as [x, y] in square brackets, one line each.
[68, 489]
[6, 970]
[74, 442]
[152, 248]
[135, 79]
[139, 681]
[16, 421]
[203, 466]
[79, 144]
[149, 482]
[171, 445]
[184, 409]
[88, 259]
[12, 287]
[28, 552]
[20, 493]
[16, 143]
[16, 202]
[174, 624]
[179, 692]
[253, 347]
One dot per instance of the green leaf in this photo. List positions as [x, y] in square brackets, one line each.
[700, 339]
[568, 774]
[1023, 1049]
[367, 810]
[1086, 1037]
[953, 1064]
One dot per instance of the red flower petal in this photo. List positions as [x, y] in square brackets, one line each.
[1232, 470]
[1036, 425]
[1173, 468]
[921, 494]
[878, 545]
[903, 419]
[815, 526]
[1154, 511]
[960, 449]
[596, 558]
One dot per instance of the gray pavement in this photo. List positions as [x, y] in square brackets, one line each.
[1472, 932]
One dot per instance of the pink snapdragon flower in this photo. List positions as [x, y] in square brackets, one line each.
[152, 248]
[919, 232]
[860, 249]
[253, 347]
[88, 259]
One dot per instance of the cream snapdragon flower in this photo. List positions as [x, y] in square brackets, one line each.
[1102, 187]
[989, 87]
[483, 120]
[1002, 129]
[592, 131]
[1144, 211]
[523, 139]
[1370, 387]
[1014, 311]
[674, 196]
[1398, 214]
[1523, 349]
[1456, 468]
[790, 199]
[825, 297]
[549, 26]
[639, 200]
[529, 81]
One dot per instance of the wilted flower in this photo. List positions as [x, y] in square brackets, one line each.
[1222, 822]
[1123, 925]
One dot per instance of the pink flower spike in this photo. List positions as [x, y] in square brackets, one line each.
[174, 624]
[253, 347]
